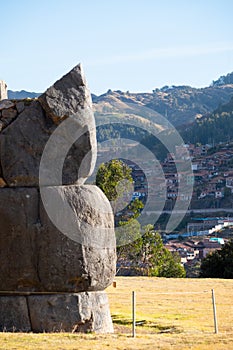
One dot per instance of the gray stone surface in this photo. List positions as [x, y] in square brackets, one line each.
[4, 104]
[7, 116]
[22, 144]
[20, 106]
[26, 128]
[18, 236]
[81, 312]
[85, 258]
[36, 256]
[59, 239]
[9, 113]
[70, 97]
[14, 315]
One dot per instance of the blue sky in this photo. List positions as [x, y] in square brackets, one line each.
[128, 45]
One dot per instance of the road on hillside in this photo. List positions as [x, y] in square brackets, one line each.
[211, 210]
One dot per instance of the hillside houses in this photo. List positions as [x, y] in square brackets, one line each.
[211, 177]
[212, 173]
[194, 249]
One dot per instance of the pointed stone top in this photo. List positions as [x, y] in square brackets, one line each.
[27, 132]
[67, 96]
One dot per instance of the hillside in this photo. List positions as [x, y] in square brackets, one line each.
[180, 104]
[214, 128]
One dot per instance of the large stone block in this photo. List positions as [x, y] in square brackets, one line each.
[37, 256]
[14, 316]
[83, 257]
[65, 107]
[22, 144]
[81, 312]
[18, 239]
[69, 99]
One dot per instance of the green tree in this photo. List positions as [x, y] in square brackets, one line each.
[110, 174]
[132, 211]
[154, 258]
[218, 264]
[128, 235]
[115, 180]
[144, 249]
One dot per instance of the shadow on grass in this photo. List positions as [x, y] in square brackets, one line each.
[144, 324]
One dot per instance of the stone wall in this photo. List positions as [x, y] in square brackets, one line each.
[80, 312]
[36, 254]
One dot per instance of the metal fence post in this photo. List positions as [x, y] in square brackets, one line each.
[215, 312]
[133, 314]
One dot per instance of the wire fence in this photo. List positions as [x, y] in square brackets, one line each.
[169, 312]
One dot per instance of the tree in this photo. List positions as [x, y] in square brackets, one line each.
[115, 180]
[172, 266]
[156, 259]
[128, 235]
[142, 248]
[218, 264]
[110, 174]
[149, 256]
[131, 211]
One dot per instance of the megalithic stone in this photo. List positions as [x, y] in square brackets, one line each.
[36, 256]
[24, 137]
[57, 240]
[67, 312]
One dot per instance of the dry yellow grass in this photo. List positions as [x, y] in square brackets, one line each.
[177, 314]
[184, 304]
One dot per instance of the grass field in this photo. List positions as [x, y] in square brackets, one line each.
[171, 314]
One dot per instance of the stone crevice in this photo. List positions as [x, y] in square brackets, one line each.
[28, 310]
[11, 121]
[3, 182]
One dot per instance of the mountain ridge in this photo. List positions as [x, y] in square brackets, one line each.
[18, 95]
[181, 105]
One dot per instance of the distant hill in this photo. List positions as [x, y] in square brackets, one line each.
[18, 95]
[214, 128]
[181, 105]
